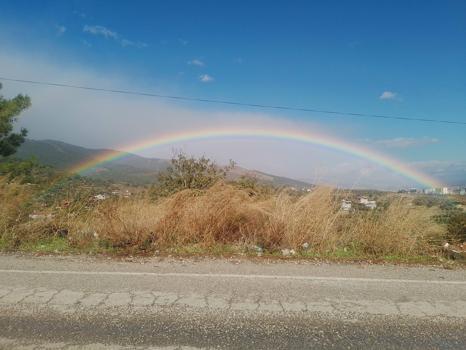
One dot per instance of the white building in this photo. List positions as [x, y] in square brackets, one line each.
[367, 203]
[345, 205]
[363, 200]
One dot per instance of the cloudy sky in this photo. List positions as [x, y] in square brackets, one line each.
[392, 58]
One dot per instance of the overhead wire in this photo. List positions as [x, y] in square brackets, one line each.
[236, 103]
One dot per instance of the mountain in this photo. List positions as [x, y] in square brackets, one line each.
[61, 155]
[130, 168]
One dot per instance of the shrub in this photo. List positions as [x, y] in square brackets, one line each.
[456, 227]
[187, 172]
[26, 171]
[254, 187]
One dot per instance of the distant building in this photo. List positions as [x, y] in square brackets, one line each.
[435, 190]
[346, 205]
[367, 203]
[445, 190]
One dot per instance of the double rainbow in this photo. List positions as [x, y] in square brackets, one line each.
[269, 132]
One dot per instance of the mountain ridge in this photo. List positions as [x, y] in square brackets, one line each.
[130, 168]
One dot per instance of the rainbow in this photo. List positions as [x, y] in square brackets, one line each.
[274, 133]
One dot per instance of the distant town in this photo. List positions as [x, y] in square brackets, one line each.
[458, 190]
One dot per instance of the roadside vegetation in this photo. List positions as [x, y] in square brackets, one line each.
[214, 216]
[193, 208]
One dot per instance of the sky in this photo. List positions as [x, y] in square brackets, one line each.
[402, 58]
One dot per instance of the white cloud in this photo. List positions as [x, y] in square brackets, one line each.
[405, 142]
[206, 78]
[196, 62]
[86, 43]
[110, 34]
[102, 31]
[388, 95]
[138, 44]
[60, 29]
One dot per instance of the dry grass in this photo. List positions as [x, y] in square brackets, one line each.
[227, 215]
[398, 230]
[14, 198]
[312, 219]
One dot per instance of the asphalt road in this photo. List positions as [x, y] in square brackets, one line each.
[80, 302]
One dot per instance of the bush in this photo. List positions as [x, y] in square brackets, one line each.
[254, 187]
[456, 227]
[433, 200]
[188, 173]
[26, 171]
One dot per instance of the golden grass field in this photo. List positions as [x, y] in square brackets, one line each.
[224, 217]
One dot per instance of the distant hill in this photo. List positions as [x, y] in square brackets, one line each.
[131, 168]
[61, 155]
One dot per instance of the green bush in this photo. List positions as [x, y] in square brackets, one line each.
[432, 200]
[26, 171]
[456, 227]
[187, 172]
[255, 188]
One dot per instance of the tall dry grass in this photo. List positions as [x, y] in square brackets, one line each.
[310, 219]
[400, 229]
[24, 218]
[14, 207]
[226, 214]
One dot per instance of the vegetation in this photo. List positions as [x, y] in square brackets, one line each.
[186, 172]
[456, 227]
[197, 211]
[26, 171]
[451, 214]
[9, 111]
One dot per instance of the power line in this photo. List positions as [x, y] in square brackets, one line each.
[235, 103]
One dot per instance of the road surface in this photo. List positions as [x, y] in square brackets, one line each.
[97, 303]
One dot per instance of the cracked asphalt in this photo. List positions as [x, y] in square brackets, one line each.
[95, 303]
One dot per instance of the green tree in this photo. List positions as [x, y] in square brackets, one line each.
[187, 172]
[10, 109]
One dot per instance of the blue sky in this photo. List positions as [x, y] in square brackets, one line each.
[386, 57]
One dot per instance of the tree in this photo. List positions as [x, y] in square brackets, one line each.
[186, 172]
[9, 112]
